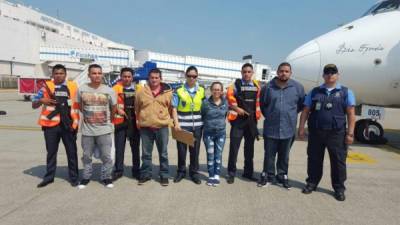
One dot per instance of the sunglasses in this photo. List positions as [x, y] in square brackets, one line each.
[192, 76]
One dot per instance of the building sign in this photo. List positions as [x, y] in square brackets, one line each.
[56, 54]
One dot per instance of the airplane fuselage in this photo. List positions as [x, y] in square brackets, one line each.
[367, 53]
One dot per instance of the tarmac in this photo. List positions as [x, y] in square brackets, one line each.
[373, 186]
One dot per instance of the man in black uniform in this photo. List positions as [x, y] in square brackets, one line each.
[125, 125]
[244, 103]
[59, 121]
[326, 108]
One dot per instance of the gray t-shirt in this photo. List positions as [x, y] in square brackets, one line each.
[95, 106]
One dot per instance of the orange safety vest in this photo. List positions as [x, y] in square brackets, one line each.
[47, 109]
[119, 90]
[230, 95]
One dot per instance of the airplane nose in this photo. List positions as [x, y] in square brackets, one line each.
[306, 64]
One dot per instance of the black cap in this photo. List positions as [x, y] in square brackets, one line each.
[330, 69]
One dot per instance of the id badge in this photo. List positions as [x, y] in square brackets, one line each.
[318, 106]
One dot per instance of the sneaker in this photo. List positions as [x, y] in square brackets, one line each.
[83, 183]
[143, 180]
[264, 181]
[210, 181]
[164, 181]
[284, 182]
[108, 183]
[216, 183]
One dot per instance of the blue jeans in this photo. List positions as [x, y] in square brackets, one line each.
[160, 136]
[273, 147]
[214, 143]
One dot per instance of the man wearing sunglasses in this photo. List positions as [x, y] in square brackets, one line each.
[326, 108]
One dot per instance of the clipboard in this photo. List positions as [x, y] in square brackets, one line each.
[183, 136]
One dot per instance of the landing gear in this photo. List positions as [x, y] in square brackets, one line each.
[369, 132]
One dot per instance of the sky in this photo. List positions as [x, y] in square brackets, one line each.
[222, 29]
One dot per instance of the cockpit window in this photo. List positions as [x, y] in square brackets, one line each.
[384, 6]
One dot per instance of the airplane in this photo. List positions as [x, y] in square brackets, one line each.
[367, 53]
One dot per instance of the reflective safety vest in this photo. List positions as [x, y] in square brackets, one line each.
[121, 102]
[189, 108]
[44, 121]
[249, 94]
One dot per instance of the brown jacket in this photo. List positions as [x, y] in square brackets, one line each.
[154, 112]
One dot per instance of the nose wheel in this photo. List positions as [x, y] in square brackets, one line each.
[369, 132]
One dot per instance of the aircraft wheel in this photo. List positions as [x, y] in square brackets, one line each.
[369, 132]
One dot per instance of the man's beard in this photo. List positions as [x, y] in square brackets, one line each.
[283, 79]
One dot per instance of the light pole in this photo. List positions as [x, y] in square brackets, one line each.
[12, 65]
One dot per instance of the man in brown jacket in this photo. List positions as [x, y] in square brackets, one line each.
[154, 114]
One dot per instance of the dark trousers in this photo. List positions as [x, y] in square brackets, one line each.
[120, 137]
[52, 136]
[236, 136]
[273, 147]
[193, 151]
[318, 140]
[149, 136]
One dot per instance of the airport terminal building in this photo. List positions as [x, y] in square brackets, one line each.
[32, 41]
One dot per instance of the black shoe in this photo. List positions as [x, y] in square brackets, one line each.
[83, 183]
[249, 177]
[107, 183]
[179, 177]
[284, 182]
[308, 189]
[164, 181]
[339, 195]
[44, 183]
[74, 183]
[136, 175]
[196, 179]
[116, 175]
[143, 180]
[230, 179]
[264, 181]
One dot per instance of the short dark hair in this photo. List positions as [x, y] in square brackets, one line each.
[247, 65]
[285, 64]
[127, 69]
[215, 83]
[59, 67]
[91, 66]
[190, 68]
[155, 70]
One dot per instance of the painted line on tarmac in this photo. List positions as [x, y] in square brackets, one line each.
[359, 158]
[24, 128]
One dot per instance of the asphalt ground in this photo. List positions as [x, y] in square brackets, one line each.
[373, 186]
